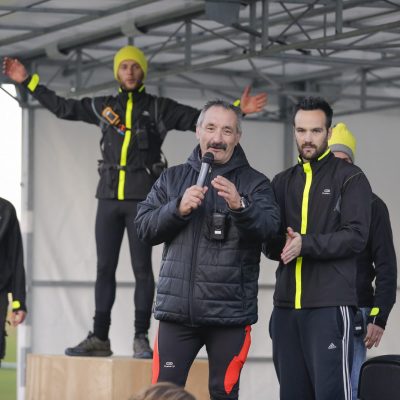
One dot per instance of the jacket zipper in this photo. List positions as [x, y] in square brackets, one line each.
[125, 147]
[303, 230]
[197, 232]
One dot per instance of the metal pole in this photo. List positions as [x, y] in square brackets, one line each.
[265, 24]
[188, 43]
[288, 148]
[78, 79]
[339, 16]
[363, 90]
[252, 11]
[24, 330]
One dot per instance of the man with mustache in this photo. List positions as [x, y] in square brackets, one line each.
[133, 127]
[207, 288]
[325, 212]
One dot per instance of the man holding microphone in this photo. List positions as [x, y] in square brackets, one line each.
[213, 231]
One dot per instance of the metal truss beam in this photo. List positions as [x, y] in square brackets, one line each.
[75, 22]
[250, 41]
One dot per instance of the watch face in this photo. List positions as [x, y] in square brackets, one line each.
[243, 202]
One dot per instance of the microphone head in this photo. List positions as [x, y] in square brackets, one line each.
[208, 158]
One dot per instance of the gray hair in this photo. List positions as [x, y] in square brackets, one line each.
[164, 391]
[226, 106]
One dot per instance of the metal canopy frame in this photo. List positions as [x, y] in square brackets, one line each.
[347, 51]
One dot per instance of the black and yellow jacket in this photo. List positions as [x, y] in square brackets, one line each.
[131, 144]
[377, 267]
[12, 272]
[328, 201]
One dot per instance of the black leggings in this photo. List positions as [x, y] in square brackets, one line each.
[113, 216]
[227, 347]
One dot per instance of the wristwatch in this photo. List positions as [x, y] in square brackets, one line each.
[244, 203]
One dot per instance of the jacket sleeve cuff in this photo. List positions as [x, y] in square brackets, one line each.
[18, 305]
[31, 82]
[305, 246]
[174, 208]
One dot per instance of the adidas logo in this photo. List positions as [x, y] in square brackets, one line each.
[326, 192]
[331, 346]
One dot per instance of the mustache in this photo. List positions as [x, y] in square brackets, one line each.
[214, 145]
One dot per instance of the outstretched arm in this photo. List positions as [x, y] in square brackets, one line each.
[14, 69]
[70, 109]
[252, 104]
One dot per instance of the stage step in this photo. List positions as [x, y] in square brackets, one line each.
[54, 377]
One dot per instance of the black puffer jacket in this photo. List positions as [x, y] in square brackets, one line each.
[204, 281]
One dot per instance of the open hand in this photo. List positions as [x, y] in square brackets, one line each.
[14, 69]
[227, 190]
[252, 104]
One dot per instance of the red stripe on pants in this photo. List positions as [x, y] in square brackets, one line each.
[156, 362]
[235, 366]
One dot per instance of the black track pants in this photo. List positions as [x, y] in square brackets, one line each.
[312, 352]
[113, 216]
[227, 347]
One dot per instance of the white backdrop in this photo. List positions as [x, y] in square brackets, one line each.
[61, 300]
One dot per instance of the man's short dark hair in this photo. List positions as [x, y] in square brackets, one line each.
[226, 106]
[314, 103]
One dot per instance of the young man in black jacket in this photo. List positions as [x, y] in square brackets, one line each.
[12, 272]
[326, 213]
[376, 267]
[133, 126]
[208, 283]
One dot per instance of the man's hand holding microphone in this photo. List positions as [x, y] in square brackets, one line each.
[194, 195]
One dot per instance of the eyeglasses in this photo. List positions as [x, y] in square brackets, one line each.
[225, 130]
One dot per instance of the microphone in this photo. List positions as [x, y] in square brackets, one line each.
[206, 162]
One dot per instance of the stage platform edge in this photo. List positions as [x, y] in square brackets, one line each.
[56, 377]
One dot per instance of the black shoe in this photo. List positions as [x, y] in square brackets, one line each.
[92, 346]
[141, 347]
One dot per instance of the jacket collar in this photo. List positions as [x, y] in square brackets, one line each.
[136, 93]
[237, 160]
[320, 160]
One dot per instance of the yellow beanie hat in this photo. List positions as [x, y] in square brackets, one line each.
[343, 140]
[130, 53]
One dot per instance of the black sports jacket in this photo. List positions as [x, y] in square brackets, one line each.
[130, 146]
[378, 263]
[205, 281]
[328, 201]
[12, 272]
